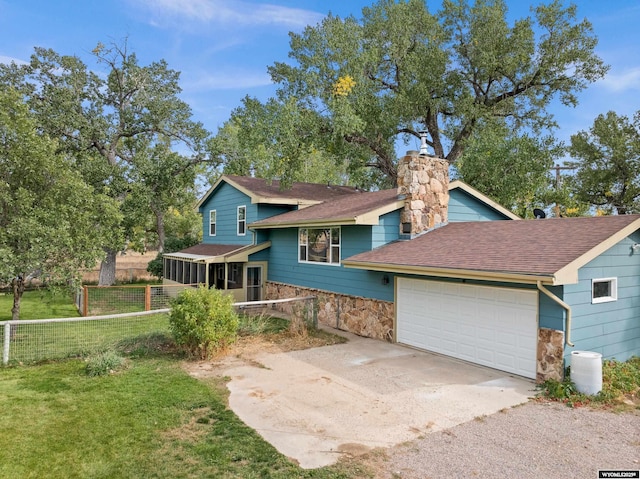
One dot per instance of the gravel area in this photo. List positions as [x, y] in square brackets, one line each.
[535, 440]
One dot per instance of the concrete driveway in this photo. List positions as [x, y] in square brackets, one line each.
[316, 404]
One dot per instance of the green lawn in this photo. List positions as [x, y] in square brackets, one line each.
[150, 420]
[40, 304]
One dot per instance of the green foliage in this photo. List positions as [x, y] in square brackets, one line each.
[52, 223]
[118, 128]
[252, 325]
[620, 387]
[171, 245]
[608, 161]
[104, 363]
[620, 380]
[354, 87]
[203, 321]
[511, 169]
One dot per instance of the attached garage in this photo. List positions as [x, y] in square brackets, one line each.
[491, 326]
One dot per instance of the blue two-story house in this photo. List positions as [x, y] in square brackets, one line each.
[434, 264]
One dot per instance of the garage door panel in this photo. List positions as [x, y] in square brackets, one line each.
[495, 327]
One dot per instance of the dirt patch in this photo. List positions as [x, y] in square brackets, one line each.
[247, 348]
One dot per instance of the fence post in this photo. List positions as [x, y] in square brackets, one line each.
[147, 298]
[7, 343]
[85, 303]
[314, 306]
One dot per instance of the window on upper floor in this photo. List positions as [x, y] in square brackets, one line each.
[604, 290]
[242, 220]
[212, 223]
[319, 245]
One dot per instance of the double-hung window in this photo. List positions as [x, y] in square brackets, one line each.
[319, 245]
[212, 223]
[242, 220]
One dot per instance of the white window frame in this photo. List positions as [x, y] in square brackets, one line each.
[242, 222]
[213, 223]
[613, 290]
[334, 248]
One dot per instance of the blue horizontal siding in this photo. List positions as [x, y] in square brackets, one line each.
[285, 268]
[387, 230]
[464, 207]
[225, 200]
[611, 328]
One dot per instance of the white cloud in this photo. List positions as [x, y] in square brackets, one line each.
[228, 13]
[7, 60]
[625, 81]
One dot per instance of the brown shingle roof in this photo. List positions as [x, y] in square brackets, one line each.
[303, 191]
[343, 209]
[528, 247]
[210, 249]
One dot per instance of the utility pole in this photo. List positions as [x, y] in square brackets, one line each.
[558, 168]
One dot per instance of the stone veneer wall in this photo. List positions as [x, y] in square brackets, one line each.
[550, 360]
[424, 182]
[367, 317]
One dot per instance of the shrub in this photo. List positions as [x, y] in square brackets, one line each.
[105, 363]
[203, 321]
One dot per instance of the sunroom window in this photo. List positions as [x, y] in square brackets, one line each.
[604, 289]
[319, 245]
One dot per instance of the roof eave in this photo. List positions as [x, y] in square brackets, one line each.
[370, 218]
[571, 269]
[500, 276]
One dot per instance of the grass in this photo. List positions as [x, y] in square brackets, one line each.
[620, 388]
[39, 304]
[149, 420]
[37, 342]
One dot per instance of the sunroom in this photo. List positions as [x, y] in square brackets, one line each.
[224, 267]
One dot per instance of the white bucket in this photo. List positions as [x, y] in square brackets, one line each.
[586, 371]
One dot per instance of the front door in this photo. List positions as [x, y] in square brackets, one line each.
[254, 283]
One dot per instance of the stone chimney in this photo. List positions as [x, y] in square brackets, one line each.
[423, 183]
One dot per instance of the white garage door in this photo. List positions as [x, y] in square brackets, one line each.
[495, 327]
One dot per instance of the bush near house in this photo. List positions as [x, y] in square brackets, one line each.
[620, 387]
[203, 321]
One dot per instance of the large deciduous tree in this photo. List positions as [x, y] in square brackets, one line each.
[401, 69]
[51, 222]
[608, 161]
[512, 169]
[117, 126]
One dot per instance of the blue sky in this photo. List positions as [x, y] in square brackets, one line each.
[223, 47]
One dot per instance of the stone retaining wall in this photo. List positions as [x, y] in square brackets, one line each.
[367, 317]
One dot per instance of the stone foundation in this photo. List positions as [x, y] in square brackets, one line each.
[367, 317]
[550, 362]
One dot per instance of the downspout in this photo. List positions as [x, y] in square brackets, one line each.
[567, 336]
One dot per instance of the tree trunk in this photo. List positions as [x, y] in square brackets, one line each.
[108, 269]
[18, 288]
[159, 228]
[17, 285]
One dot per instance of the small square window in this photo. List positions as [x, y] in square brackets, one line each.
[604, 290]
